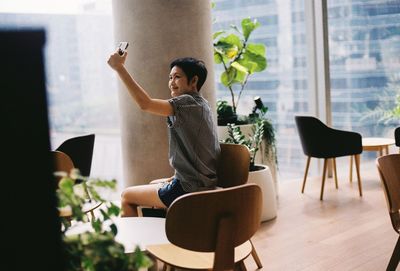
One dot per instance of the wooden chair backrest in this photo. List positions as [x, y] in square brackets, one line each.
[389, 171]
[215, 221]
[62, 162]
[233, 165]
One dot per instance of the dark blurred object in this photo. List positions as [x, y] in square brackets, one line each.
[258, 109]
[80, 149]
[153, 212]
[397, 136]
[259, 104]
[28, 200]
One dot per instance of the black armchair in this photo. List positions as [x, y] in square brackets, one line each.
[80, 149]
[397, 136]
[321, 141]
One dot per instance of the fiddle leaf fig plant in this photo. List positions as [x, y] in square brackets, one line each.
[239, 57]
[96, 249]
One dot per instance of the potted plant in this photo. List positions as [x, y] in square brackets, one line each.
[240, 59]
[258, 173]
[95, 249]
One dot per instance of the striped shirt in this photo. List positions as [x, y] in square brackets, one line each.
[193, 142]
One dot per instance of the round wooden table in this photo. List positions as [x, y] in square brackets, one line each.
[132, 231]
[378, 144]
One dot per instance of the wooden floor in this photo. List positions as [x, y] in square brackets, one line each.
[342, 232]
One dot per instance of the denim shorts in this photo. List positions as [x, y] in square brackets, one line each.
[170, 191]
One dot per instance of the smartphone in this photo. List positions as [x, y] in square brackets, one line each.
[122, 46]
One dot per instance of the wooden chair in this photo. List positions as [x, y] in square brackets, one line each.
[233, 165]
[321, 141]
[233, 170]
[63, 163]
[389, 171]
[80, 150]
[211, 229]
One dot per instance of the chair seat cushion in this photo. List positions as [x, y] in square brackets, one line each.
[183, 258]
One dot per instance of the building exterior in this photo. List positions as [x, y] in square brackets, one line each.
[364, 51]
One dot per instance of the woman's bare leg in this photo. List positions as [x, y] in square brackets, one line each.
[134, 196]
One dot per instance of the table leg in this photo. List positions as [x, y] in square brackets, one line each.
[154, 267]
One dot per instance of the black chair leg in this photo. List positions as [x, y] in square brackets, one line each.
[321, 197]
[305, 174]
[394, 260]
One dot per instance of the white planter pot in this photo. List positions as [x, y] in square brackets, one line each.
[261, 158]
[263, 178]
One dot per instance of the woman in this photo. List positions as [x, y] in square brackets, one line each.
[193, 141]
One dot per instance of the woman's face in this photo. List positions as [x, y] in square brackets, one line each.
[178, 82]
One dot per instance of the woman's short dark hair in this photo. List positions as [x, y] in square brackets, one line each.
[192, 67]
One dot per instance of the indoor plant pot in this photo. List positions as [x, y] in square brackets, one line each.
[263, 178]
[258, 173]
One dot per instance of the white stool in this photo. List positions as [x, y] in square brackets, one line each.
[263, 178]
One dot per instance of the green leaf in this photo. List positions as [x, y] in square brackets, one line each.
[248, 26]
[216, 34]
[113, 210]
[240, 77]
[239, 67]
[230, 41]
[254, 62]
[223, 52]
[114, 229]
[105, 214]
[227, 77]
[141, 259]
[250, 65]
[66, 185]
[97, 225]
[256, 48]
[219, 57]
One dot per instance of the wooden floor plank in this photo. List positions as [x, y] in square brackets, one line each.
[342, 232]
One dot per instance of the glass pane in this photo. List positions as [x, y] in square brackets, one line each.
[283, 85]
[364, 47]
[82, 89]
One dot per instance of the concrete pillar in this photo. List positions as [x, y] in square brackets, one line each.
[158, 31]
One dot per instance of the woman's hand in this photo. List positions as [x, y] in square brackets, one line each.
[116, 61]
[163, 180]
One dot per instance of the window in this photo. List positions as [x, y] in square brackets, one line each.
[364, 52]
[81, 87]
[283, 85]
